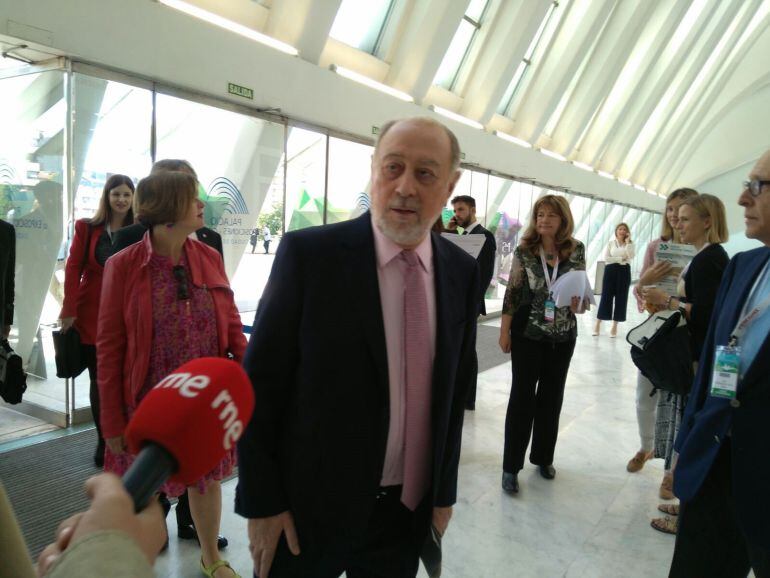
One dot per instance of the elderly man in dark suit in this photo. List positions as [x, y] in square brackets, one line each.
[7, 276]
[360, 359]
[127, 236]
[723, 473]
[465, 216]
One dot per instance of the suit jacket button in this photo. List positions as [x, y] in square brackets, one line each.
[735, 403]
[716, 439]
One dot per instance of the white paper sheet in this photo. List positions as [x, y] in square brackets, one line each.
[570, 285]
[471, 244]
[679, 256]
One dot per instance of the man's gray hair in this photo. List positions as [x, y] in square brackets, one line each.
[454, 145]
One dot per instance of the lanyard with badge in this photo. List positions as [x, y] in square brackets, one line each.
[727, 361]
[550, 304]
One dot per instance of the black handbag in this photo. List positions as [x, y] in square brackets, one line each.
[660, 348]
[70, 359]
[13, 380]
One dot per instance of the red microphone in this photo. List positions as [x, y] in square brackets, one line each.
[185, 425]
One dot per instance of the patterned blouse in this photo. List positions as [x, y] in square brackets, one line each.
[527, 293]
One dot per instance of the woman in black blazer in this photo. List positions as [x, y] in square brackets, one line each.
[702, 223]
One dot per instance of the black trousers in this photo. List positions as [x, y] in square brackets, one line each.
[389, 548]
[539, 374]
[93, 391]
[709, 542]
[470, 402]
[615, 285]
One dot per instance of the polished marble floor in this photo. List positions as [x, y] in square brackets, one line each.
[591, 521]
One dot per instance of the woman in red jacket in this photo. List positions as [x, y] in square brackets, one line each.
[166, 300]
[91, 246]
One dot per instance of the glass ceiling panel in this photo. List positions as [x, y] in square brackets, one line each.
[359, 24]
[457, 52]
[476, 9]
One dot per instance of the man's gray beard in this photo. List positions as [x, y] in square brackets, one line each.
[411, 236]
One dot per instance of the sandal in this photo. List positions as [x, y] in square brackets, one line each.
[670, 509]
[209, 570]
[666, 525]
[637, 462]
[667, 488]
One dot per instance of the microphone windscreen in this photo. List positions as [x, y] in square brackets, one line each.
[197, 414]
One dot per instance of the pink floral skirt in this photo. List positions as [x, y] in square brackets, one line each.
[119, 464]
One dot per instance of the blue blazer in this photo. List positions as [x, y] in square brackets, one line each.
[318, 363]
[707, 419]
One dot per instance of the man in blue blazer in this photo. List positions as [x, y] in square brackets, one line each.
[723, 474]
[323, 464]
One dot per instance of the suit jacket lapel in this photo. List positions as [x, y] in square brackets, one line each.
[761, 364]
[362, 284]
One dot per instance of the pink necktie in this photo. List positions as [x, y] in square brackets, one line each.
[417, 366]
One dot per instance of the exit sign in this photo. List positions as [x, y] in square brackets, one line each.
[241, 91]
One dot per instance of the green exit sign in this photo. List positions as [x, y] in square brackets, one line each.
[241, 91]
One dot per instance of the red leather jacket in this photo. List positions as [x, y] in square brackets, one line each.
[124, 334]
[81, 292]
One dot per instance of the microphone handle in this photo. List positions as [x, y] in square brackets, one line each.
[151, 468]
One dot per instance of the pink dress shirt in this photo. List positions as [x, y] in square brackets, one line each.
[390, 275]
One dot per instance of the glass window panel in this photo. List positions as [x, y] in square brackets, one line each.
[111, 135]
[305, 178]
[359, 24]
[33, 115]
[453, 58]
[240, 171]
[349, 173]
[505, 222]
[479, 186]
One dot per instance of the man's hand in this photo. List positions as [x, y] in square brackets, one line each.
[264, 534]
[441, 517]
[452, 224]
[111, 509]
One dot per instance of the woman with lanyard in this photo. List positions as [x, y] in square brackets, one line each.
[91, 245]
[702, 223]
[539, 336]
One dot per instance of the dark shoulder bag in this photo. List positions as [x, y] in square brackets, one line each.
[13, 380]
[70, 359]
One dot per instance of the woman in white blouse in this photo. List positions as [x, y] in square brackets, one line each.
[617, 279]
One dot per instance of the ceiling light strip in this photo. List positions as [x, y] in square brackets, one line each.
[222, 22]
[513, 139]
[583, 166]
[457, 117]
[365, 80]
[553, 155]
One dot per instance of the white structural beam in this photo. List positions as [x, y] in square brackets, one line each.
[654, 89]
[552, 75]
[701, 110]
[513, 28]
[304, 24]
[428, 32]
[613, 49]
[649, 47]
[646, 152]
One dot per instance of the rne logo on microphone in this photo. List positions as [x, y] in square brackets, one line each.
[189, 385]
[229, 417]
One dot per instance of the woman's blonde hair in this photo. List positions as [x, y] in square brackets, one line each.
[712, 208]
[164, 197]
[565, 244]
[666, 232]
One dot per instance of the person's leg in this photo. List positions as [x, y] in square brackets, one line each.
[525, 365]
[470, 402]
[550, 395]
[709, 543]
[604, 312]
[206, 512]
[646, 406]
[93, 394]
[183, 515]
[621, 293]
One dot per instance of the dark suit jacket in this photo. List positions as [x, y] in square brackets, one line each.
[707, 419]
[318, 362]
[7, 272]
[486, 261]
[701, 284]
[127, 236]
